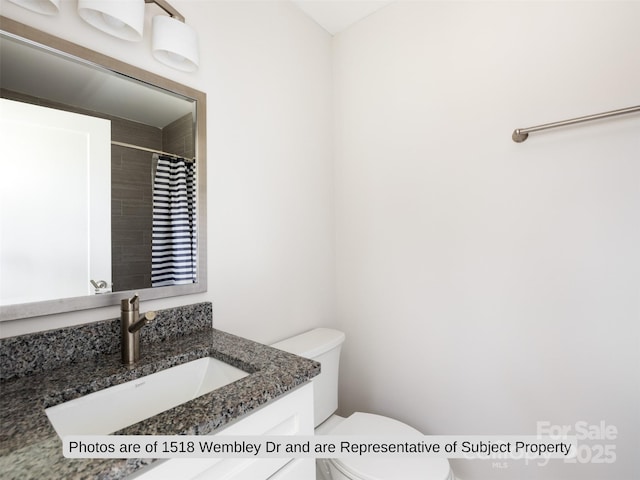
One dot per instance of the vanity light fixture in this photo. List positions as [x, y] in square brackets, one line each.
[123, 19]
[173, 42]
[46, 7]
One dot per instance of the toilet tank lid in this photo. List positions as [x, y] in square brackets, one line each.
[312, 343]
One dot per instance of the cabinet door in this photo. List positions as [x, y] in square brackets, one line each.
[297, 469]
[291, 414]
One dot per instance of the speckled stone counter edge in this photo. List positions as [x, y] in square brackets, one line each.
[30, 448]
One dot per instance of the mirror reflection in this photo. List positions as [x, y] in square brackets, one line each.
[102, 190]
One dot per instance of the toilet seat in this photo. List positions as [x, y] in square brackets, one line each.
[386, 468]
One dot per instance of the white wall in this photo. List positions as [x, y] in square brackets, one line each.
[266, 69]
[486, 285]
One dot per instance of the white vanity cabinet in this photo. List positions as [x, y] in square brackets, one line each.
[291, 414]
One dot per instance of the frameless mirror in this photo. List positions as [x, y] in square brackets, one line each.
[103, 184]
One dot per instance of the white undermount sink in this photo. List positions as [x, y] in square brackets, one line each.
[117, 407]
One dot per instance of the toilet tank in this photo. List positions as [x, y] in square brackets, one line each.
[322, 345]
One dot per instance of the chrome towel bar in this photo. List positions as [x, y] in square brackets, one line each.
[520, 134]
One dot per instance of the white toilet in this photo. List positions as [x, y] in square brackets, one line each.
[323, 345]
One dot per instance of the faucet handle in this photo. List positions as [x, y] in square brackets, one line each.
[130, 304]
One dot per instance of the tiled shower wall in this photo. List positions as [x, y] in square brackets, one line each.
[132, 195]
[178, 137]
[132, 204]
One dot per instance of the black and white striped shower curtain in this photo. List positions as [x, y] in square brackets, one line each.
[174, 239]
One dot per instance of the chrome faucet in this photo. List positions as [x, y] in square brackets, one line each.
[131, 322]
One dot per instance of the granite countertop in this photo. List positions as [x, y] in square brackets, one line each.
[30, 448]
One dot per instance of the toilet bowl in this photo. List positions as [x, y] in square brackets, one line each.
[382, 468]
[324, 345]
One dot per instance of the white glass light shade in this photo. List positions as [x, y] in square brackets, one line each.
[175, 43]
[46, 7]
[121, 18]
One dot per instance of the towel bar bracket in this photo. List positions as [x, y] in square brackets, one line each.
[518, 136]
